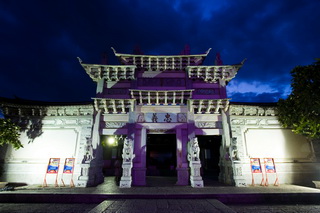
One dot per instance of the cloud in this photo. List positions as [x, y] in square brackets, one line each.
[40, 42]
[256, 91]
[254, 97]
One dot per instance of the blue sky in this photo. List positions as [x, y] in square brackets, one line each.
[40, 41]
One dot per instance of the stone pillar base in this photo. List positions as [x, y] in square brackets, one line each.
[240, 182]
[126, 178]
[84, 178]
[183, 176]
[91, 175]
[125, 182]
[196, 182]
[82, 181]
[195, 177]
[139, 176]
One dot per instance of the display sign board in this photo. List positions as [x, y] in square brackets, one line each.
[53, 165]
[52, 168]
[68, 165]
[269, 165]
[255, 165]
[256, 169]
[68, 169]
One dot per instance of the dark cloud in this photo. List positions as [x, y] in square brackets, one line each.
[253, 97]
[40, 41]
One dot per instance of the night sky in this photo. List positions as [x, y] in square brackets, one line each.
[41, 40]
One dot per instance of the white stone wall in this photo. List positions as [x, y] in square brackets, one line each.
[258, 134]
[63, 136]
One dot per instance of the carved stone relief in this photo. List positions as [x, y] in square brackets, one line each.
[115, 124]
[182, 117]
[245, 110]
[208, 124]
[161, 117]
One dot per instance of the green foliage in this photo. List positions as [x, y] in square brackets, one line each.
[301, 110]
[9, 133]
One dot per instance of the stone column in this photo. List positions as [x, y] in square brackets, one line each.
[226, 166]
[139, 163]
[91, 167]
[182, 166]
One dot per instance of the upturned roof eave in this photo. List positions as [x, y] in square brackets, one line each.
[160, 56]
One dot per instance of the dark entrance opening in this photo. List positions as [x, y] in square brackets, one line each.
[112, 155]
[210, 155]
[161, 155]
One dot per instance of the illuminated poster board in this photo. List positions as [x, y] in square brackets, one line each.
[53, 166]
[68, 170]
[255, 165]
[256, 169]
[68, 165]
[270, 168]
[269, 164]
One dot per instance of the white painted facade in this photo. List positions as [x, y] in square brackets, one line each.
[258, 134]
[255, 132]
[48, 132]
[145, 97]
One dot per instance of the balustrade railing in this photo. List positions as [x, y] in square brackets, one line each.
[161, 97]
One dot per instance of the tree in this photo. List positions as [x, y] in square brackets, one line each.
[301, 110]
[9, 133]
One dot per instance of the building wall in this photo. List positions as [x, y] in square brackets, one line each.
[257, 133]
[66, 132]
[53, 135]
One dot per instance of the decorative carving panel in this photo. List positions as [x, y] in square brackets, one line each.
[213, 125]
[114, 124]
[248, 110]
[36, 110]
[161, 118]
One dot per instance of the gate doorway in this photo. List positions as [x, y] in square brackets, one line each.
[210, 155]
[161, 155]
[112, 155]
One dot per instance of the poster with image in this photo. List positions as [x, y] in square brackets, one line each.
[270, 167]
[255, 165]
[68, 165]
[53, 166]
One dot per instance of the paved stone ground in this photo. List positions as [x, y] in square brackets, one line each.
[153, 206]
[164, 185]
[162, 206]
[45, 208]
[159, 186]
[275, 208]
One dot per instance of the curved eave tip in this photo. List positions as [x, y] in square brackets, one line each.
[114, 51]
[79, 59]
[208, 51]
